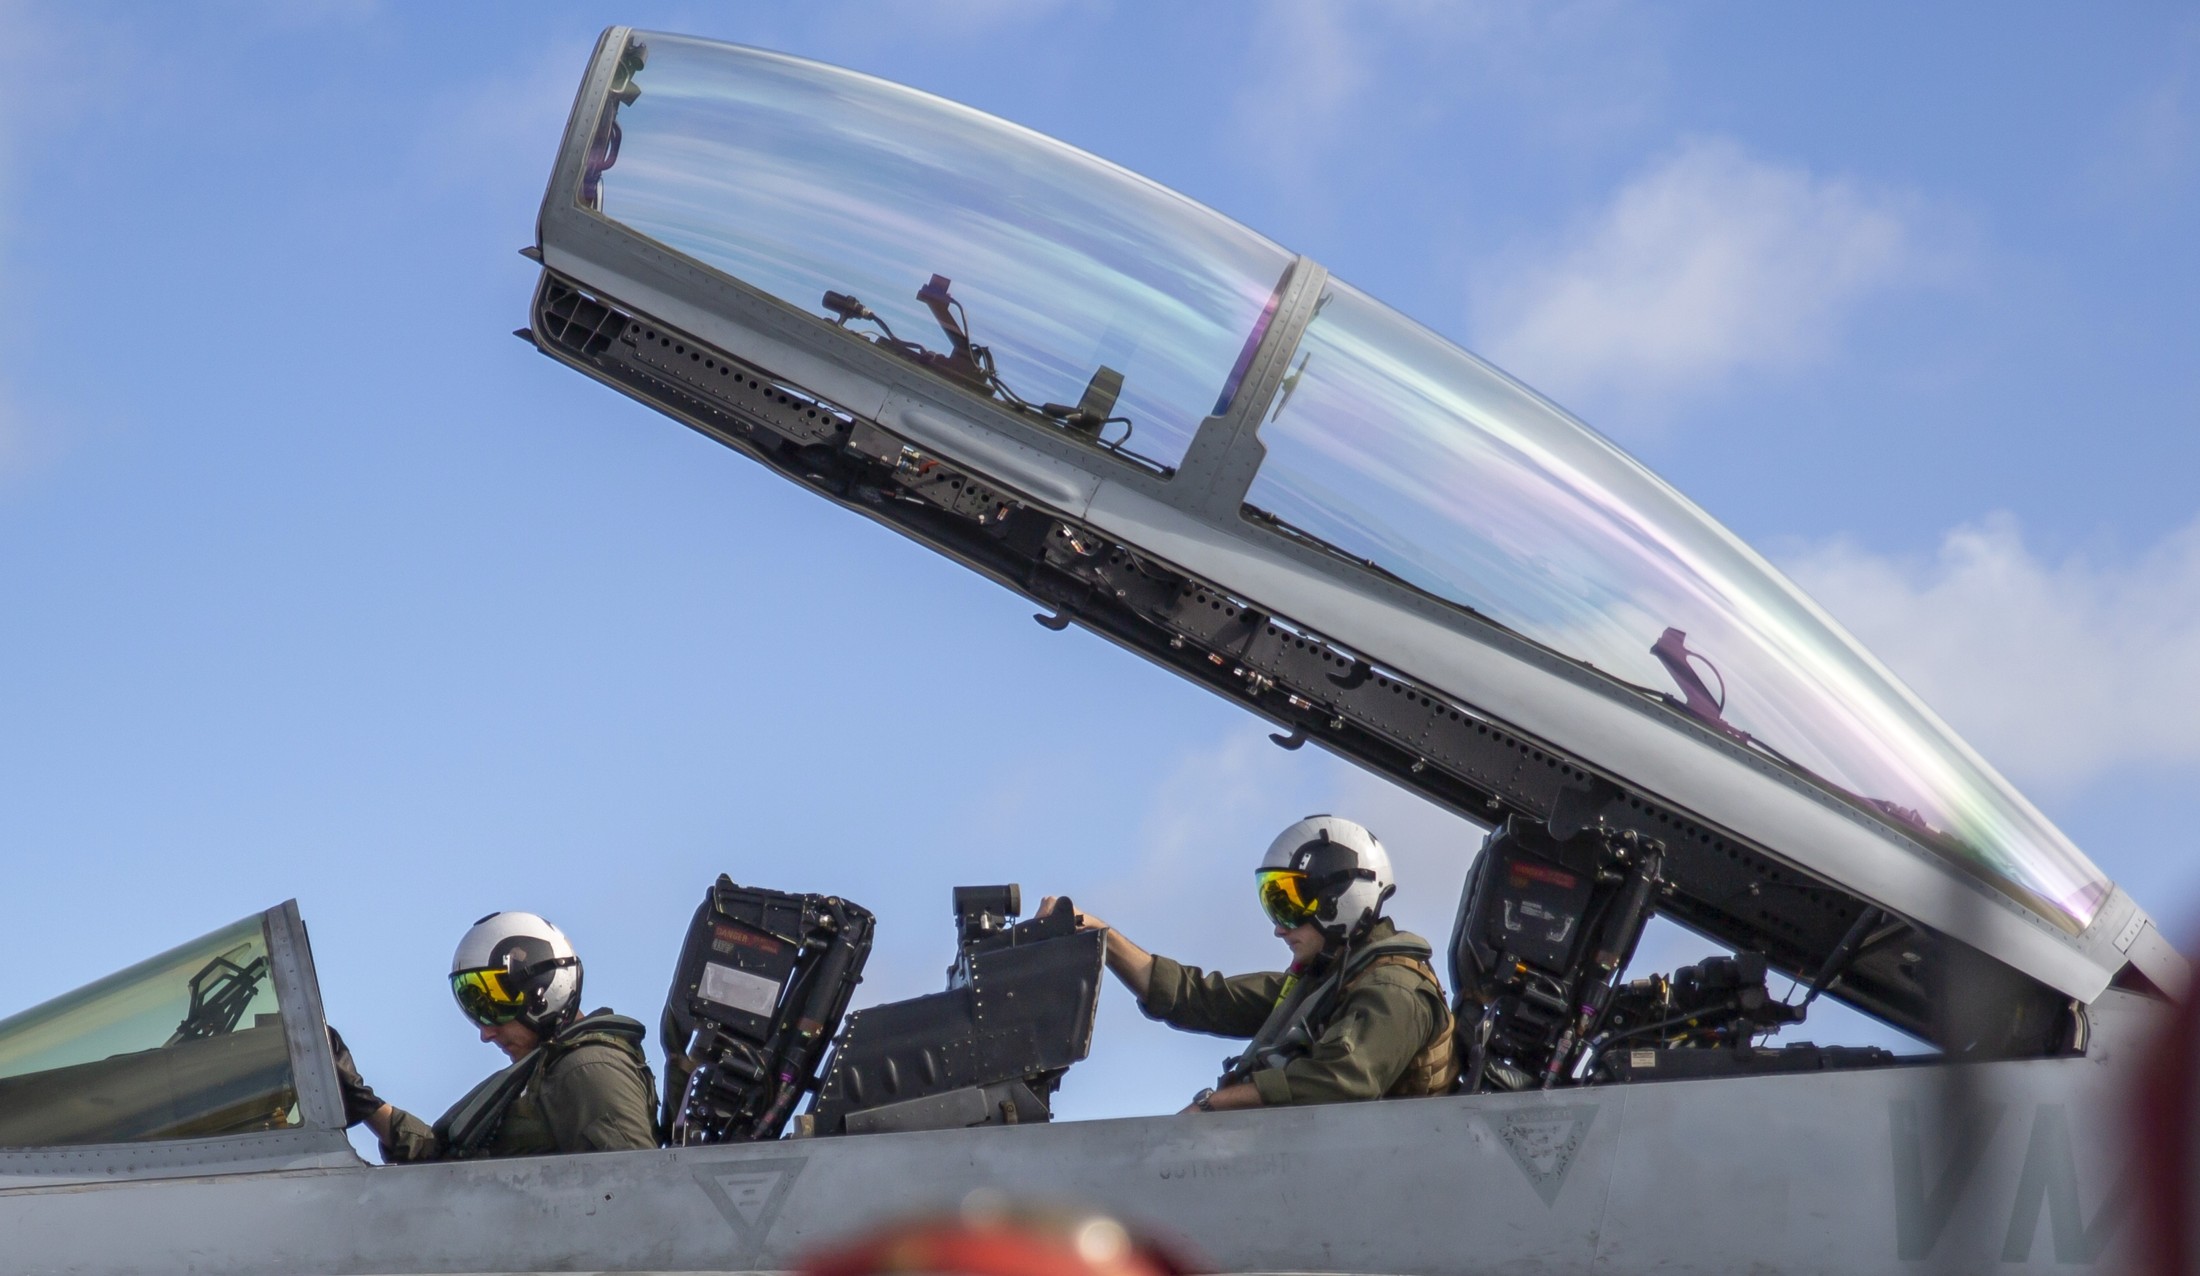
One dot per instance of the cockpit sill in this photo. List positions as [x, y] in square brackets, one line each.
[1026, 533]
[263, 1153]
[317, 1143]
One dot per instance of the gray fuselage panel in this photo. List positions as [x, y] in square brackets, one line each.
[1820, 1173]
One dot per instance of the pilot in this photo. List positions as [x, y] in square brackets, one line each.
[1358, 1015]
[576, 1083]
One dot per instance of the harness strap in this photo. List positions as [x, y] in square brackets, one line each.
[474, 1120]
[1414, 964]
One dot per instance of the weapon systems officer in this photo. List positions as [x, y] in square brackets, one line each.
[576, 1083]
[1359, 1014]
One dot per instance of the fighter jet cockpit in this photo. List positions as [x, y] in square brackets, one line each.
[1171, 433]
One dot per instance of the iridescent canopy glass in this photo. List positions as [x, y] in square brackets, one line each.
[1391, 445]
[801, 179]
[1386, 445]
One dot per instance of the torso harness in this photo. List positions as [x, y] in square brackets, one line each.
[474, 1121]
[1303, 1009]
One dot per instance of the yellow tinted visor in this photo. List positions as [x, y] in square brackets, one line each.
[1286, 896]
[487, 997]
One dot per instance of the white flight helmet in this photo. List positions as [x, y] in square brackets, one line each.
[517, 966]
[1328, 871]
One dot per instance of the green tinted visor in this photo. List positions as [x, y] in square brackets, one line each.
[1287, 896]
[487, 996]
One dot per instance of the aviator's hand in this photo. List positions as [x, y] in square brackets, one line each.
[1131, 964]
[1085, 920]
[360, 1100]
[1231, 1098]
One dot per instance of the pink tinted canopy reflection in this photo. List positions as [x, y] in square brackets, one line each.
[1387, 443]
[1392, 445]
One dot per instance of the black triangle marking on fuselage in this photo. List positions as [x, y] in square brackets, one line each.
[748, 1194]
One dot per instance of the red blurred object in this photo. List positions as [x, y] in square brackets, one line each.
[980, 1242]
[2168, 1117]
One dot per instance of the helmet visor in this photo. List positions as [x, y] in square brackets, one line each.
[1287, 896]
[488, 997]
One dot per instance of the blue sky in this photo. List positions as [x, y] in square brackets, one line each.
[315, 582]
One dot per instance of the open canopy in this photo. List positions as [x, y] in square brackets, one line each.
[1386, 443]
[1153, 370]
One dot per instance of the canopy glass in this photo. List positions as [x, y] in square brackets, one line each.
[1387, 444]
[188, 1044]
[1390, 445]
[803, 180]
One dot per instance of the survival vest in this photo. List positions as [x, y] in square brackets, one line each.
[474, 1120]
[1431, 1071]
[1303, 1009]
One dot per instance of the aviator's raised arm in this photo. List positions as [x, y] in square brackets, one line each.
[1129, 963]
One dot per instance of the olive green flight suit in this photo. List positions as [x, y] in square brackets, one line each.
[591, 1091]
[1380, 1034]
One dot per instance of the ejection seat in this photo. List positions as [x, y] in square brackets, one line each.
[1547, 926]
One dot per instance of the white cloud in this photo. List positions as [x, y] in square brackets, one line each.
[1309, 61]
[2148, 150]
[11, 436]
[281, 14]
[1208, 823]
[1189, 887]
[503, 129]
[1202, 835]
[15, 101]
[2056, 671]
[1318, 74]
[1430, 848]
[1710, 264]
[57, 67]
[900, 24]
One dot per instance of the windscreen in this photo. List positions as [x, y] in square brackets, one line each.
[1390, 445]
[1004, 261]
[188, 1044]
